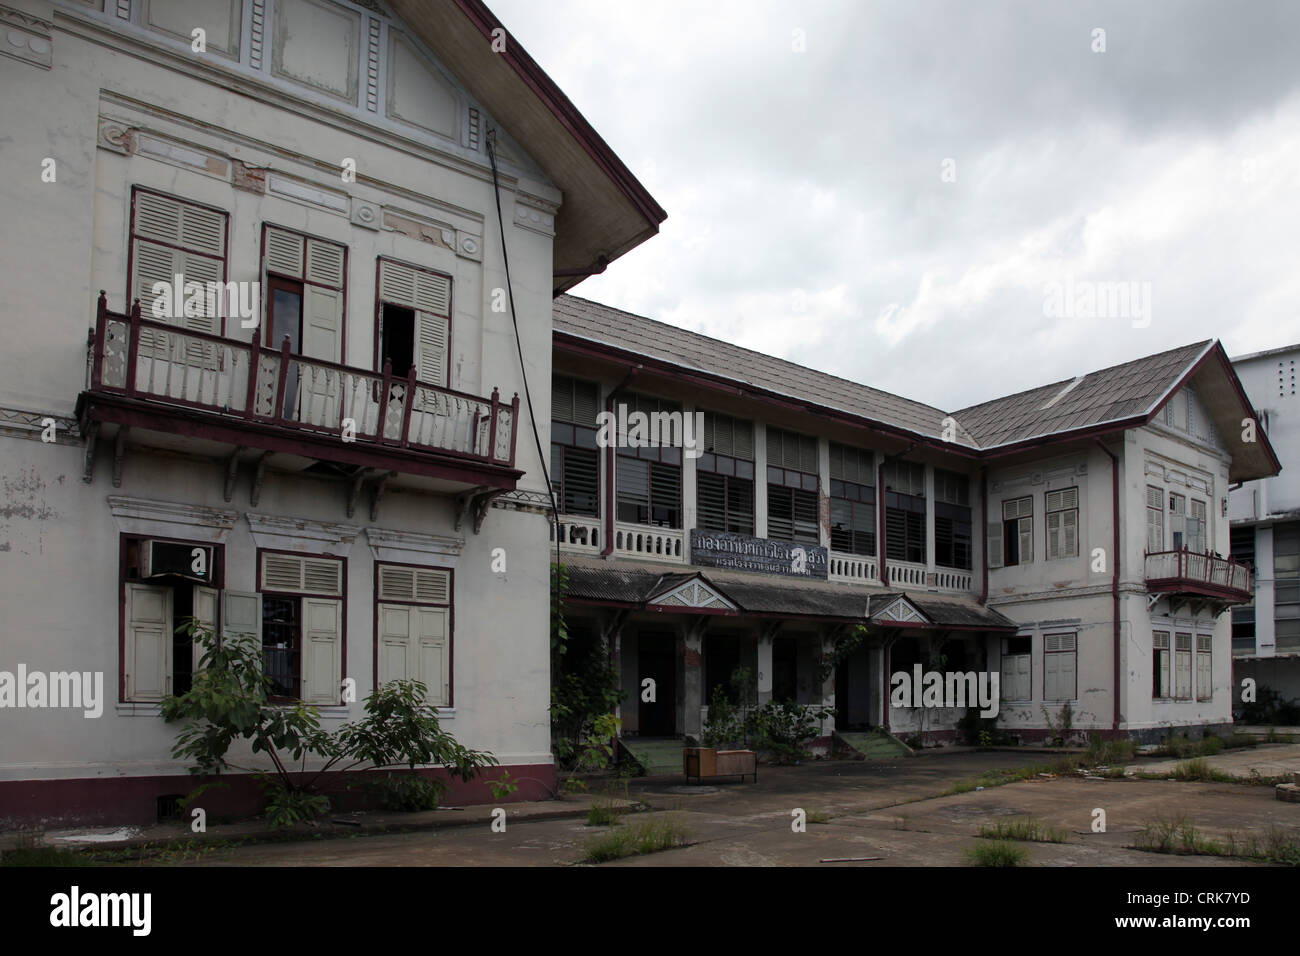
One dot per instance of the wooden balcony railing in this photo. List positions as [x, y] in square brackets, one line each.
[1195, 572]
[160, 363]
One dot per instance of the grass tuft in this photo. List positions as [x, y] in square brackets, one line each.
[1027, 829]
[996, 853]
[647, 836]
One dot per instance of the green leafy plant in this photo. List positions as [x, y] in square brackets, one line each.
[584, 688]
[409, 792]
[648, 836]
[230, 699]
[1028, 829]
[503, 786]
[1061, 728]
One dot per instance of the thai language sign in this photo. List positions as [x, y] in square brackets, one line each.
[717, 549]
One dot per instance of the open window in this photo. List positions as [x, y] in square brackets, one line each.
[414, 322]
[164, 582]
[301, 625]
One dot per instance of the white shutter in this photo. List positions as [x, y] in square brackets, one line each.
[284, 253]
[394, 642]
[414, 288]
[324, 263]
[1059, 656]
[1054, 546]
[322, 332]
[1071, 533]
[1204, 667]
[425, 585]
[1026, 540]
[297, 575]
[432, 648]
[322, 652]
[205, 609]
[241, 616]
[1008, 678]
[1182, 666]
[994, 550]
[148, 663]
[1024, 678]
[150, 264]
[431, 333]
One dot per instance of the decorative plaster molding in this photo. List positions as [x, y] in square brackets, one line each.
[372, 66]
[365, 214]
[171, 519]
[147, 144]
[301, 534]
[116, 136]
[257, 34]
[308, 193]
[534, 218]
[900, 610]
[411, 547]
[26, 38]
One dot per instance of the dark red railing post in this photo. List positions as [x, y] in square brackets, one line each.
[514, 428]
[277, 413]
[133, 348]
[408, 405]
[383, 400]
[101, 329]
[254, 370]
[492, 428]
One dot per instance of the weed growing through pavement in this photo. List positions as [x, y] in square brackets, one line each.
[996, 853]
[635, 839]
[1028, 830]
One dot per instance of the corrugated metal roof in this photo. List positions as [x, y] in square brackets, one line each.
[1111, 394]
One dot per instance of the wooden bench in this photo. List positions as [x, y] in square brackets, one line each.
[701, 762]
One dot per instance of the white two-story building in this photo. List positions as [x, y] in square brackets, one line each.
[336, 452]
[1072, 539]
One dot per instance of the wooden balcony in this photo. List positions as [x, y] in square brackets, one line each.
[1193, 574]
[154, 377]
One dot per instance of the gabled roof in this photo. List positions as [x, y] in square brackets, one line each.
[606, 211]
[1119, 393]
[1122, 396]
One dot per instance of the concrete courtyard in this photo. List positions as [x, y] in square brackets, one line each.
[891, 811]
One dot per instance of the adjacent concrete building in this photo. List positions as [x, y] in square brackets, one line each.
[1265, 516]
[334, 450]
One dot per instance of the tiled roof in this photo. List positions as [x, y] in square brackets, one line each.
[1111, 394]
[695, 352]
[1118, 392]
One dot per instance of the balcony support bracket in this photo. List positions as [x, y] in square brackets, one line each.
[119, 453]
[1152, 599]
[475, 501]
[381, 486]
[354, 493]
[232, 472]
[88, 466]
[255, 492]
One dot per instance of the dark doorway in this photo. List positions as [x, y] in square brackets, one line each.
[657, 659]
[785, 669]
[721, 658]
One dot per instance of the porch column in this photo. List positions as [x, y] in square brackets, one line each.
[828, 684]
[690, 518]
[765, 665]
[929, 523]
[879, 684]
[693, 682]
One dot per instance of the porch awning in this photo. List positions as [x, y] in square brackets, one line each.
[715, 591]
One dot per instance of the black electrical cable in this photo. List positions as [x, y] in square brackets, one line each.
[514, 318]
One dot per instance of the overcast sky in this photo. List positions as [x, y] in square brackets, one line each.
[813, 212]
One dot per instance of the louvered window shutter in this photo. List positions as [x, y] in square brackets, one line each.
[432, 647]
[431, 333]
[195, 249]
[742, 437]
[148, 651]
[561, 398]
[205, 611]
[322, 651]
[394, 642]
[284, 253]
[241, 616]
[994, 549]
